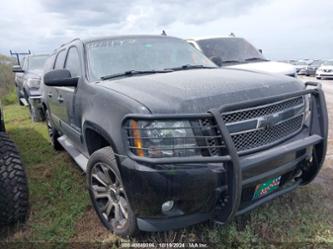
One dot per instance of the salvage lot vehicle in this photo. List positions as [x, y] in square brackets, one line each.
[169, 140]
[310, 69]
[236, 52]
[27, 81]
[14, 204]
[325, 71]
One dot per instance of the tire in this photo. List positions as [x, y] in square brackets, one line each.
[113, 198]
[18, 96]
[53, 133]
[14, 194]
[36, 114]
[2, 126]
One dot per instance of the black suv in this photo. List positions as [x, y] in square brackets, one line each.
[14, 196]
[27, 81]
[168, 140]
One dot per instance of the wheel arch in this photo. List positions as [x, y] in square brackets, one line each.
[96, 137]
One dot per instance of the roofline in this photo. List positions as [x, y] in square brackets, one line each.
[211, 37]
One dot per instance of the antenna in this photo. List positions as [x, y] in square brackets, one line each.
[18, 54]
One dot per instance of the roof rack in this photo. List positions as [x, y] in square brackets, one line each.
[18, 54]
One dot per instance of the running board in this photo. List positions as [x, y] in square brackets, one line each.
[78, 157]
[24, 101]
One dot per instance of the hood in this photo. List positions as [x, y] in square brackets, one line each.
[37, 73]
[268, 67]
[197, 91]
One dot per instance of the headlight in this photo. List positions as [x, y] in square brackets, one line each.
[158, 139]
[33, 83]
[307, 111]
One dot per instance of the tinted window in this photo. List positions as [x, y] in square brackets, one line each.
[73, 62]
[113, 56]
[59, 64]
[230, 49]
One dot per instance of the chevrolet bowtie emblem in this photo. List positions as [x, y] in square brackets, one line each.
[267, 122]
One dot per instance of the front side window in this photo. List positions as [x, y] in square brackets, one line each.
[118, 55]
[73, 62]
[59, 63]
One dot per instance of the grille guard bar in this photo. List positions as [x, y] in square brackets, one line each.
[318, 126]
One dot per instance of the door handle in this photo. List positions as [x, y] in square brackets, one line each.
[50, 94]
[60, 99]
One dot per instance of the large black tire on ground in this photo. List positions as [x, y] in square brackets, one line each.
[14, 194]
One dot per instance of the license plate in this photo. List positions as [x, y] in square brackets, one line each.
[266, 188]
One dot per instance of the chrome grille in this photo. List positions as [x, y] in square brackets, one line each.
[261, 111]
[260, 135]
[259, 138]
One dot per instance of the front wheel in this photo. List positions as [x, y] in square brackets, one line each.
[107, 193]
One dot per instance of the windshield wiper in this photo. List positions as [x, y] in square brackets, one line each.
[231, 61]
[188, 66]
[255, 59]
[134, 72]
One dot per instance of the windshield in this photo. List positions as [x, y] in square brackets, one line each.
[328, 63]
[37, 62]
[230, 49]
[301, 63]
[119, 55]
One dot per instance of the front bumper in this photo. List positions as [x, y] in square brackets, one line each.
[324, 74]
[222, 187]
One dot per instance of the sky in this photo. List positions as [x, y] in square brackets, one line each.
[283, 29]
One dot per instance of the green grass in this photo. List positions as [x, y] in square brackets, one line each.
[301, 219]
[57, 188]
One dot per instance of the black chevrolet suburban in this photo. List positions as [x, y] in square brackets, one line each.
[168, 140]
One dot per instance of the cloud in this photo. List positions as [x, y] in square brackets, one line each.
[283, 28]
[159, 13]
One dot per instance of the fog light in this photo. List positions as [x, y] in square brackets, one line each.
[167, 206]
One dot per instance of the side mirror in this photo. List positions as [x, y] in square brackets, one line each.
[260, 50]
[17, 69]
[217, 60]
[61, 77]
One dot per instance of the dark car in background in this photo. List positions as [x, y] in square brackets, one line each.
[27, 81]
[167, 139]
[237, 52]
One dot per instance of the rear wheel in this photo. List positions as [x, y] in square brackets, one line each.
[108, 195]
[14, 204]
[18, 96]
[53, 133]
[36, 113]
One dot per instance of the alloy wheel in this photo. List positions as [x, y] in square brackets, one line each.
[109, 195]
